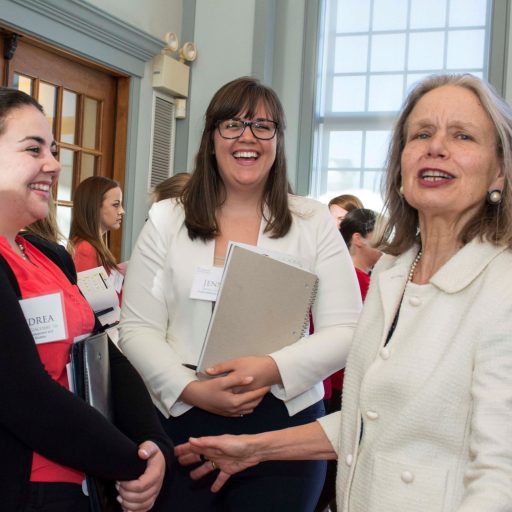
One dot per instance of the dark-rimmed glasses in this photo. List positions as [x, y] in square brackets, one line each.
[263, 129]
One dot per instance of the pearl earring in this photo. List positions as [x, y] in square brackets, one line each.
[401, 190]
[494, 197]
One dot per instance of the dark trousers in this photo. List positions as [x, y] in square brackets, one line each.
[269, 486]
[55, 497]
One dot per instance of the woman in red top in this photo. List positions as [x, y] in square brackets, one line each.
[97, 209]
[49, 438]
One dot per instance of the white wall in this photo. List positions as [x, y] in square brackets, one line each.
[224, 38]
[155, 17]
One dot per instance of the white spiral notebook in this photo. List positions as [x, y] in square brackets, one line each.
[262, 306]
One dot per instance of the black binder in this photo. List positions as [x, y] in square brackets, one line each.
[90, 368]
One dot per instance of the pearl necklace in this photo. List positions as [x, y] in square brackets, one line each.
[22, 249]
[413, 266]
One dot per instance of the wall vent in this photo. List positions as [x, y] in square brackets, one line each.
[162, 138]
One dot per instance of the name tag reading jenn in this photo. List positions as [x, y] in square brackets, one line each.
[45, 317]
[205, 285]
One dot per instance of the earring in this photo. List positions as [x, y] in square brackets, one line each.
[401, 190]
[494, 197]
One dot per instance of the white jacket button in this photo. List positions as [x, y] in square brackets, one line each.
[349, 459]
[407, 477]
[372, 415]
[414, 301]
[384, 353]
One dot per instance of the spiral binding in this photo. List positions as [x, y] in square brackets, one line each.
[305, 325]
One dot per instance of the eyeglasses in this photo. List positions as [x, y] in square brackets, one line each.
[262, 129]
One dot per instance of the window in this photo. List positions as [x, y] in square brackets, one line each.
[371, 52]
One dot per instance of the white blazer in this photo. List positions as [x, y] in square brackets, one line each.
[162, 328]
[435, 405]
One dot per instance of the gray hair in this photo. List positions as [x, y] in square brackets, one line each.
[491, 222]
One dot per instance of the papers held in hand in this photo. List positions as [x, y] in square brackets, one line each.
[97, 288]
[262, 306]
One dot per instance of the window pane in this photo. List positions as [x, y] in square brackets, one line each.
[431, 14]
[48, 100]
[376, 148]
[468, 12]
[64, 219]
[351, 54]
[89, 123]
[353, 16]
[386, 92]
[426, 51]
[349, 94]
[345, 149]
[23, 83]
[385, 46]
[68, 117]
[413, 79]
[88, 166]
[342, 181]
[67, 159]
[389, 14]
[372, 180]
[466, 49]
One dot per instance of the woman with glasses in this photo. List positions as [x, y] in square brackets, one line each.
[237, 192]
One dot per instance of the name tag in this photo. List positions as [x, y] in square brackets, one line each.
[206, 282]
[45, 317]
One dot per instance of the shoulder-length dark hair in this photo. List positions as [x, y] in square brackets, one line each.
[85, 217]
[205, 191]
[491, 222]
[358, 220]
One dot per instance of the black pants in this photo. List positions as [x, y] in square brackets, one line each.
[55, 497]
[269, 486]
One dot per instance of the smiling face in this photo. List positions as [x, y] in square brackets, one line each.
[27, 168]
[450, 159]
[244, 163]
[111, 211]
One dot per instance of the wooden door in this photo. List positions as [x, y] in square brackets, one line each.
[83, 104]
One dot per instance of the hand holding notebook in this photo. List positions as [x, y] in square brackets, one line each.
[262, 306]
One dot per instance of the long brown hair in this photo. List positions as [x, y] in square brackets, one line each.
[491, 222]
[85, 217]
[205, 191]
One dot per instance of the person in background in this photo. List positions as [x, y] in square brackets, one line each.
[50, 438]
[426, 420]
[97, 209]
[357, 231]
[238, 191]
[340, 205]
[171, 187]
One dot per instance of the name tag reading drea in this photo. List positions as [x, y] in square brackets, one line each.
[45, 317]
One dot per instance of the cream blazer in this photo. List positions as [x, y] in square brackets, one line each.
[162, 328]
[435, 405]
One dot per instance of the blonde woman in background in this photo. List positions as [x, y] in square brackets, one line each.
[340, 205]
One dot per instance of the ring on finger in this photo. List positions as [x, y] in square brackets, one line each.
[214, 467]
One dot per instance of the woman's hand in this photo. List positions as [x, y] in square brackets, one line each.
[220, 396]
[140, 495]
[263, 370]
[230, 454]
